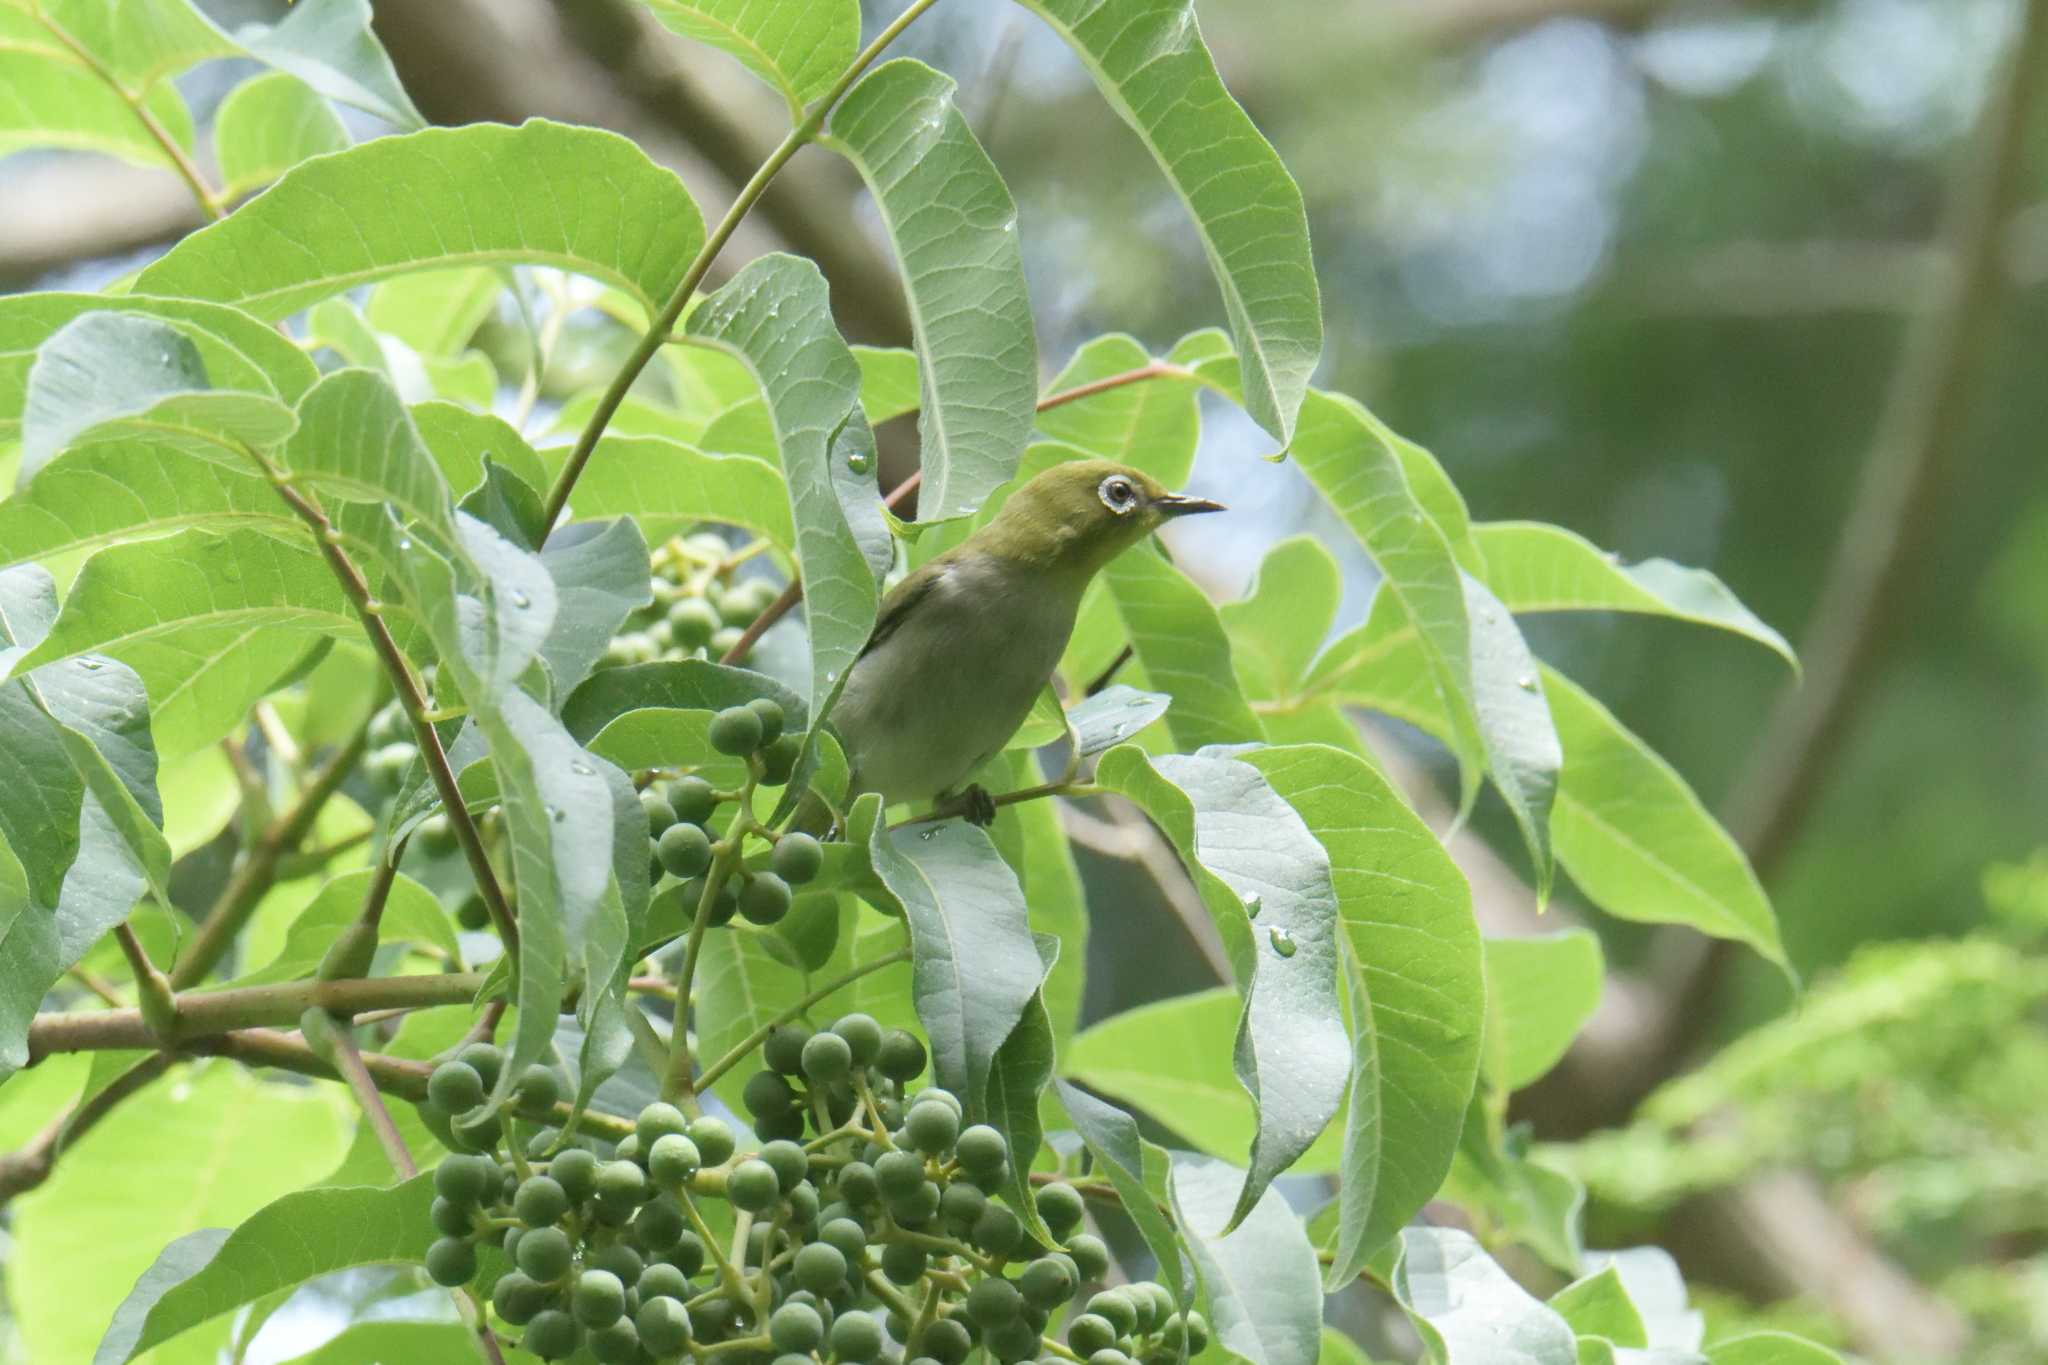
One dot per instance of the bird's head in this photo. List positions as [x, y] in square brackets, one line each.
[1078, 515]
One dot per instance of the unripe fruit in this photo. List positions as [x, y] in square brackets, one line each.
[724, 905]
[659, 1225]
[1058, 1204]
[552, 1335]
[657, 1121]
[981, 1149]
[778, 760]
[455, 1087]
[685, 850]
[450, 1218]
[1111, 1356]
[1014, 1341]
[660, 814]
[664, 1325]
[1047, 1282]
[933, 1129]
[575, 1170]
[856, 1336]
[783, 1051]
[946, 1341]
[1116, 1306]
[994, 1302]
[962, 1205]
[998, 1231]
[765, 899]
[770, 714]
[473, 914]
[479, 1129]
[797, 858]
[753, 1185]
[466, 1180]
[484, 1059]
[451, 1261]
[517, 1298]
[899, 1174]
[767, 1094]
[693, 799]
[902, 1057]
[735, 731]
[618, 1344]
[687, 1255]
[540, 1201]
[599, 1299]
[937, 1095]
[672, 1160]
[620, 1185]
[904, 1262]
[918, 1207]
[544, 1254]
[713, 1138]
[819, 1267]
[796, 1327]
[537, 1088]
[1089, 1333]
[827, 1058]
[1091, 1255]
[788, 1161]
[618, 1258]
[858, 1185]
[1155, 1304]
[691, 622]
[862, 1034]
[659, 1279]
[846, 1235]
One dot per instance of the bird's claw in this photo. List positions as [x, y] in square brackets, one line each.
[972, 804]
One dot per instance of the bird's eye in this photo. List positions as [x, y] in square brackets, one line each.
[1117, 494]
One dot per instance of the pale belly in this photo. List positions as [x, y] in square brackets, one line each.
[948, 688]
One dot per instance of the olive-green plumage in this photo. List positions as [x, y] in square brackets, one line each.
[964, 645]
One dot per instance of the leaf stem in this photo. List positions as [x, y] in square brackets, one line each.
[677, 1083]
[753, 1040]
[663, 324]
[348, 1059]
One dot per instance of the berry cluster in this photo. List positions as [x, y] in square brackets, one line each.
[875, 1242]
[681, 813]
[699, 609]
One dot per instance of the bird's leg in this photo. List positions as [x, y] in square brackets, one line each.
[972, 803]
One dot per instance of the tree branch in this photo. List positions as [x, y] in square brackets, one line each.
[24, 1170]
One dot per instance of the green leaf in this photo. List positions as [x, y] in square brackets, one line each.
[954, 228]
[1338, 1349]
[975, 967]
[330, 46]
[392, 1340]
[1149, 61]
[460, 441]
[1153, 425]
[236, 351]
[41, 794]
[1468, 1311]
[1059, 903]
[1638, 842]
[1112, 716]
[268, 125]
[1265, 1299]
[312, 1232]
[1540, 992]
[1178, 638]
[1138, 1170]
[1770, 1348]
[746, 977]
[798, 46]
[67, 67]
[889, 384]
[542, 193]
[600, 574]
[1657, 1289]
[435, 312]
[1280, 623]
[411, 915]
[1516, 1196]
[1251, 854]
[668, 487]
[106, 375]
[775, 315]
[1534, 567]
[1411, 956]
[658, 715]
[356, 443]
[83, 1239]
[1597, 1305]
[1017, 1077]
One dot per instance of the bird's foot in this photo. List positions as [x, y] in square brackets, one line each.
[971, 803]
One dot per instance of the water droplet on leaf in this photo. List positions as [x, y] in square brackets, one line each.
[1282, 941]
[1252, 906]
[521, 600]
[859, 462]
[582, 770]
[557, 814]
[1527, 682]
[91, 665]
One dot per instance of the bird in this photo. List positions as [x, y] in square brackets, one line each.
[963, 646]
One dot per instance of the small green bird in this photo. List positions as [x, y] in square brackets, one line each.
[964, 645]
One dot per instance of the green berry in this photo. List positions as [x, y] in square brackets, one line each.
[451, 1261]
[862, 1034]
[691, 622]
[936, 1095]
[796, 1327]
[713, 1138]
[735, 731]
[540, 1201]
[657, 1121]
[902, 1057]
[660, 1278]
[618, 1344]
[769, 711]
[618, 1258]
[819, 1267]
[788, 1161]
[660, 814]
[1091, 1332]
[544, 1254]
[1058, 1204]
[599, 1299]
[827, 1058]
[981, 1149]
[784, 1050]
[1016, 1340]
[994, 1302]
[998, 1231]
[1155, 1303]
[478, 1130]
[455, 1087]
[1047, 1282]
[473, 914]
[753, 1186]
[1116, 1306]
[517, 1298]
[664, 1324]
[1091, 1255]
[466, 1180]
[904, 1262]
[933, 1129]
[778, 760]
[723, 906]
[484, 1059]
[628, 1149]
[962, 1205]
[552, 1335]
[858, 1185]
[575, 1170]
[1198, 1332]
[672, 1160]
[620, 1185]
[693, 799]
[767, 1094]
[915, 1209]
[537, 1088]
[846, 1235]
[450, 1218]
[797, 858]
[946, 1341]
[659, 1225]
[1109, 1356]
[856, 1336]
[899, 1173]
[687, 1255]
[685, 850]
[765, 900]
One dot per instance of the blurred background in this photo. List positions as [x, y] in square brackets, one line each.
[1754, 287]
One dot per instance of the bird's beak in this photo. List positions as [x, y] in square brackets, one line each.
[1181, 505]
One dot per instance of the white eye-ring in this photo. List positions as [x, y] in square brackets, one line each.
[1117, 495]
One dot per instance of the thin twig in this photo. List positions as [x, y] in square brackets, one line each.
[349, 1060]
[31, 1166]
[738, 1052]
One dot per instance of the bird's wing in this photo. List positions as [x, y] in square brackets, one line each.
[902, 600]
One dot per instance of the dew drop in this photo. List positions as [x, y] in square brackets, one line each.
[859, 462]
[557, 814]
[831, 677]
[1282, 941]
[521, 600]
[927, 834]
[1137, 703]
[1527, 682]
[1252, 906]
[404, 543]
[582, 770]
[91, 665]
